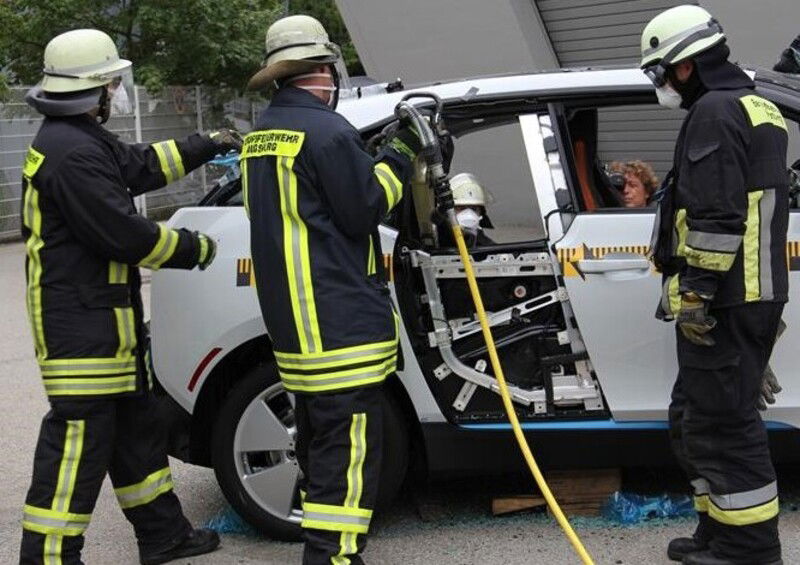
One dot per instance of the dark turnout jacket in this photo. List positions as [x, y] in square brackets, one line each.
[84, 241]
[315, 198]
[723, 222]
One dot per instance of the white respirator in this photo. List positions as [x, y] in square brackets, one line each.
[668, 97]
[469, 220]
[331, 89]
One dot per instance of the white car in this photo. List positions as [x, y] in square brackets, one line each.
[571, 294]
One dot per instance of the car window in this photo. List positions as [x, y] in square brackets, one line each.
[621, 153]
[496, 156]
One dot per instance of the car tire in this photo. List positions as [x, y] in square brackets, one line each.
[249, 464]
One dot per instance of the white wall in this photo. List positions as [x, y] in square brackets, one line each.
[428, 40]
[757, 30]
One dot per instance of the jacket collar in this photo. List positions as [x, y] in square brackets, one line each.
[293, 96]
[88, 124]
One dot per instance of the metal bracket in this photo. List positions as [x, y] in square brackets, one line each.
[462, 329]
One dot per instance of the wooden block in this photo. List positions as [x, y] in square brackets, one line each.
[507, 505]
[579, 493]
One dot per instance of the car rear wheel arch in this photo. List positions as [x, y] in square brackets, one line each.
[225, 375]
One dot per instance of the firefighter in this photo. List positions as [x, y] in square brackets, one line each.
[470, 200]
[720, 243]
[315, 198]
[84, 242]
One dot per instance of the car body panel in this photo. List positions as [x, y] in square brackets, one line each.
[635, 363]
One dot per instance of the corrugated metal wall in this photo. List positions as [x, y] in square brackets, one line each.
[173, 114]
[599, 32]
[606, 32]
[626, 133]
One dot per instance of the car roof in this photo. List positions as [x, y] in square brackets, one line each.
[374, 109]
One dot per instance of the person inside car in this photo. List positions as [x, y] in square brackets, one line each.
[640, 184]
[470, 199]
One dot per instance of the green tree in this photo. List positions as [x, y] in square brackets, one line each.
[214, 42]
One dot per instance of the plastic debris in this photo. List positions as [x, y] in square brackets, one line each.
[227, 521]
[229, 160]
[628, 508]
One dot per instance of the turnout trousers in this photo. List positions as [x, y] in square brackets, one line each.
[79, 442]
[339, 452]
[719, 437]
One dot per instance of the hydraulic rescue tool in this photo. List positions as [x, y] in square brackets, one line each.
[430, 130]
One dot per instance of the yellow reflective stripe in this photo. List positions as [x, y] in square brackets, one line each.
[371, 267]
[170, 160]
[320, 383]
[70, 461]
[390, 183]
[32, 216]
[762, 111]
[93, 386]
[245, 189]
[46, 521]
[333, 509]
[358, 453]
[746, 516]
[126, 329]
[329, 375]
[674, 295]
[298, 260]
[33, 160]
[350, 354]
[148, 367]
[52, 549]
[682, 231]
[87, 366]
[752, 282]
[163, 249]
[701, 503]
[153, 486]
[276, 142]
[711, 260]
[336, 518]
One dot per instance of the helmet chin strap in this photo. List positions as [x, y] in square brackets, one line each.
[333, 100]
[105, 106]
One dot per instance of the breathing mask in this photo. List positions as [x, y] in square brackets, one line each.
[668, 97]
[469, 220]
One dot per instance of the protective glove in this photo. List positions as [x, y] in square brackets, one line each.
[769, 388]
[789, 60]
[694, 321]
[226, 140]
[208, 250]
[406, 142]
[769, 382]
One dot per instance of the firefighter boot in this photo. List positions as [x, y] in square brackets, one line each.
[708, 558]
[681, 547]
[197, 542]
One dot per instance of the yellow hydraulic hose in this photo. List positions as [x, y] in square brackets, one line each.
[512, 415]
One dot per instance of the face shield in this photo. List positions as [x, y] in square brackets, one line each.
[120, 94]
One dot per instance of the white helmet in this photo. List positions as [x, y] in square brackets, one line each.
[81, 59]
[295, 44]
[676, 35]
[467, 191]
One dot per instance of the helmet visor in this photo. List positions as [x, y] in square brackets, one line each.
[121, 94]
[657, 74]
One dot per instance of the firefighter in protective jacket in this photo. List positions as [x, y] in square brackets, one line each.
[84, 242]
[315, 198]
[721, 245]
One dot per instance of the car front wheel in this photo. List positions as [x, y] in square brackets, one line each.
[254, 459]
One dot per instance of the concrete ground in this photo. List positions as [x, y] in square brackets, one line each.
[462, 532]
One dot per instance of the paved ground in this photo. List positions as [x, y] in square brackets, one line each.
[462, 534]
